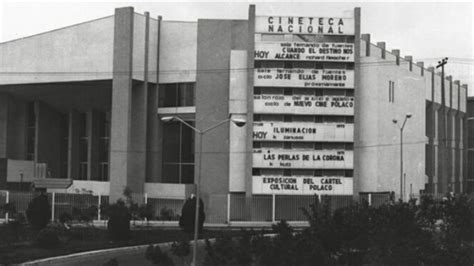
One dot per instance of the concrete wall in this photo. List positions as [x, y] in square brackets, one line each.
[121, 103]
[60, 54]
[216, 39]
[15, 167]
[86, 186]
[377, 146]
[178, 50]
[238, 108]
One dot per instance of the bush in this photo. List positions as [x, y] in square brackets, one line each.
[432, 233]
[48, 238]
[145, 211]
[181, 249]
[65, 218]
[118, 226]
[111, 262]
[85, 214]
[39, 212]
[166, 214]
[157, 256]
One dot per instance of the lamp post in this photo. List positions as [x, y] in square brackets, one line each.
[408, 115]
[237, 122]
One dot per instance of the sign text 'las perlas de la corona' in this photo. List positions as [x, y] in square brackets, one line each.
[304, 78]
[301, 185]
[302, 131]
[280, 158]
[304, 25]
[304, 51]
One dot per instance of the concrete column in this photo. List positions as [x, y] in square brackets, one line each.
[409, 58]
[250, 86]
[358, 94]
[382, 46]
[422, 67]
[154, 126]
[94, 121]
[121, 125]
[366, 38]
[396, 53]
[153, 158]
[73, 145]
[431, 70]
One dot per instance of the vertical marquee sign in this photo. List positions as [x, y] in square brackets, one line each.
[310, 40]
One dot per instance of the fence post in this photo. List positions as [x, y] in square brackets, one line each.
[146, 203]
[228, 208]
[370, 199]
[52, 205]
[7, 200]
[273, 207]
[98, 207]
[319, 198]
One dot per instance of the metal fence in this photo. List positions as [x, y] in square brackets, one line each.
[220, 209]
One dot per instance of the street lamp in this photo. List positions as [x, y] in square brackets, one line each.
[238, 122]
[408, 115]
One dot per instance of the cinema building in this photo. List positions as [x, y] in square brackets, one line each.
[99, 106]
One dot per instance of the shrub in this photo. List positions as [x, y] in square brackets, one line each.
[157, 256]
[8, 207]
[39, 212]
[85, 214]
[65, 218]
[181, 249]
[111, 262]
[118, 226]
[145, 211]
[48, 238]
[166, 214]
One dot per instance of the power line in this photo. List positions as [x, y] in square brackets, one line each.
[212, 70]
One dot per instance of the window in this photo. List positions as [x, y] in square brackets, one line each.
[64, 127]
[391, 91]
[83, 146]
[104, 144]
[178, 160]
[31, 132]
[176, 94]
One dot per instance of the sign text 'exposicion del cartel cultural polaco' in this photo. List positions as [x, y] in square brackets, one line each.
[304, 25]
[285, 185]
[304, 78]
[305, 51]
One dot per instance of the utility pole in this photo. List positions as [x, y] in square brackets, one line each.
[442, 175]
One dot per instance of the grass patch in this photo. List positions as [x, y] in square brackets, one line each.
[21, 246]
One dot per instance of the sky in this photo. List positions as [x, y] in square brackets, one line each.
[428, 31]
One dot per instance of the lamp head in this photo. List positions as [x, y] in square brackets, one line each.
[167, 119]
[239, 121]
[408, 115]
[394, 121]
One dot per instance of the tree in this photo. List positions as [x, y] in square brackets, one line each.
[39, 212]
